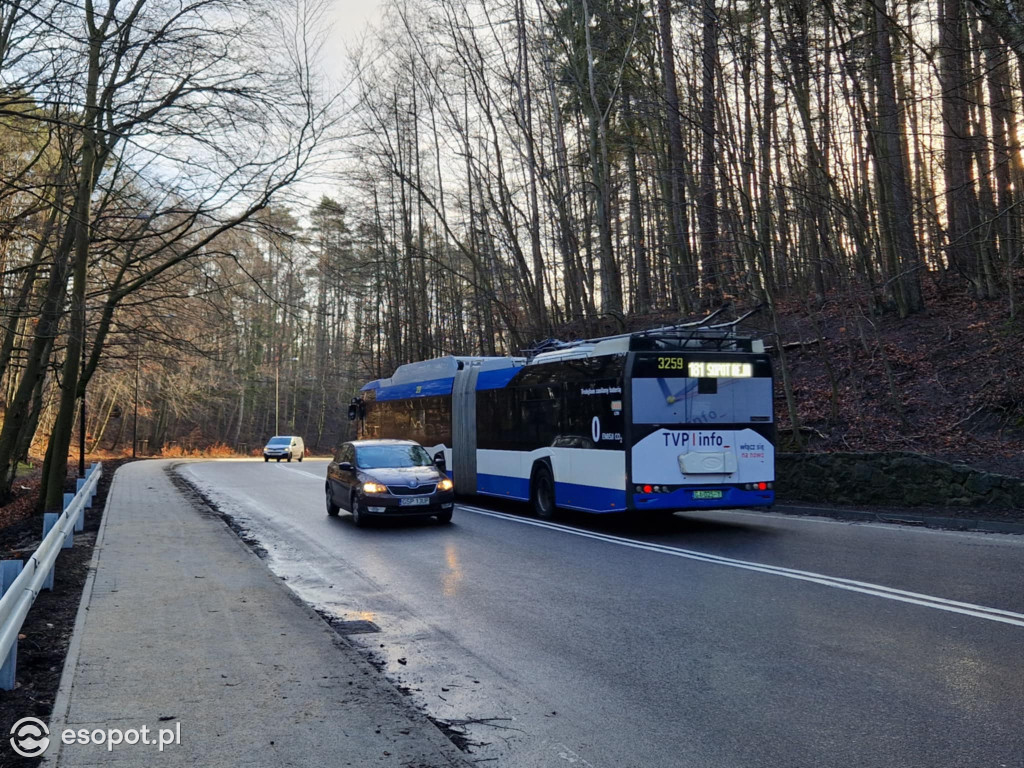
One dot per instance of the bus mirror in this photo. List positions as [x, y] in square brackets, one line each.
[356, 409]
[439, 461]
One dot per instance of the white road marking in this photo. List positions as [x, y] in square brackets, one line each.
[880, 524]
[321, 475]
[564, 753]
[876, 590]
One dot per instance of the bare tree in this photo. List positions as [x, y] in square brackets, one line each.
[187, 97]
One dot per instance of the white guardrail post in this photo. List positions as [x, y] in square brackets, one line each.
[20, 582]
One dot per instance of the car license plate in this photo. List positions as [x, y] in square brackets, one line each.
[707, 494]
[413, 501]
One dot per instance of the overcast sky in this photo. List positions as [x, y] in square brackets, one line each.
[349, 20]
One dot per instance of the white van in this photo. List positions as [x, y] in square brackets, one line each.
[284, 447]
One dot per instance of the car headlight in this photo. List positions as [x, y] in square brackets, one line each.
[371, 487]
[445, 485]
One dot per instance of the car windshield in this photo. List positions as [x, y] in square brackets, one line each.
[279, 441]
[376, 456]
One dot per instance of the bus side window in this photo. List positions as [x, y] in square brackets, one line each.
[538, 417]
[496, 423]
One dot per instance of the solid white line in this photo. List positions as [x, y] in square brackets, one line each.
[878, 524]
[850, 585]
[322, 475]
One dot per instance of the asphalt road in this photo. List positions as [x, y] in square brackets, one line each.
[706, 640]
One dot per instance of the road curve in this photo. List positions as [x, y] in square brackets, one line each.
[720, 639]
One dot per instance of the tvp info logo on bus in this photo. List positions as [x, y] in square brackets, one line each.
[30, 737]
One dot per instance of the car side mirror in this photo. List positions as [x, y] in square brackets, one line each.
[439, 461]
[345, 466]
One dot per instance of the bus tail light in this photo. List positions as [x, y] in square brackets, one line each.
[653, 489]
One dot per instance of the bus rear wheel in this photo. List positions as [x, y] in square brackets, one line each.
[543, 493]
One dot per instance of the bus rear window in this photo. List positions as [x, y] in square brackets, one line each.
[666, 400]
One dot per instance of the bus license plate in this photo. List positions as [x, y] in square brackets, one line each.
[413, 501]
[707, 494]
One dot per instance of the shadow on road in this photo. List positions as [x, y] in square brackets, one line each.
[382, 523]
[681, 527]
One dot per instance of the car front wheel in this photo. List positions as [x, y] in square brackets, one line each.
[332, 508]
[445, 517]
[358, 518]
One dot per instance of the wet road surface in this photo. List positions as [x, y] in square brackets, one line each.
[712, 639]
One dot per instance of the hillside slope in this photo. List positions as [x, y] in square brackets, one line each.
[948, 382]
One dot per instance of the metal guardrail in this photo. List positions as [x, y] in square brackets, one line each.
[21, 582]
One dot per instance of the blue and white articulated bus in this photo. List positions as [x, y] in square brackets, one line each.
[671, 419]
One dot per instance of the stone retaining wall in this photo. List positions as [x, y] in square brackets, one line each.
[897, 478]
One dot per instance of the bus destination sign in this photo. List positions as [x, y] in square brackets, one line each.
[700, 366]
[699, 369]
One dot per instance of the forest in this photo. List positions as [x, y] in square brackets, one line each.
[208, 241]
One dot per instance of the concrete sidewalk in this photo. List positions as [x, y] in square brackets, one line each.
[182, 627]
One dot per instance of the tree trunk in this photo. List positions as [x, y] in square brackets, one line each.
[526, 110]
[1006, 149]
[16, 417]
[707, 208]
[961, 199]
[766, 146]
[611, 281]
[684, 275]
[890, 155]
[642, 272]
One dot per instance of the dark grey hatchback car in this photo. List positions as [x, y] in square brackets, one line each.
[387, 478]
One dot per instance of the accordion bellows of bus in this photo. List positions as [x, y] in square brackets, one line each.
[670, 419]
